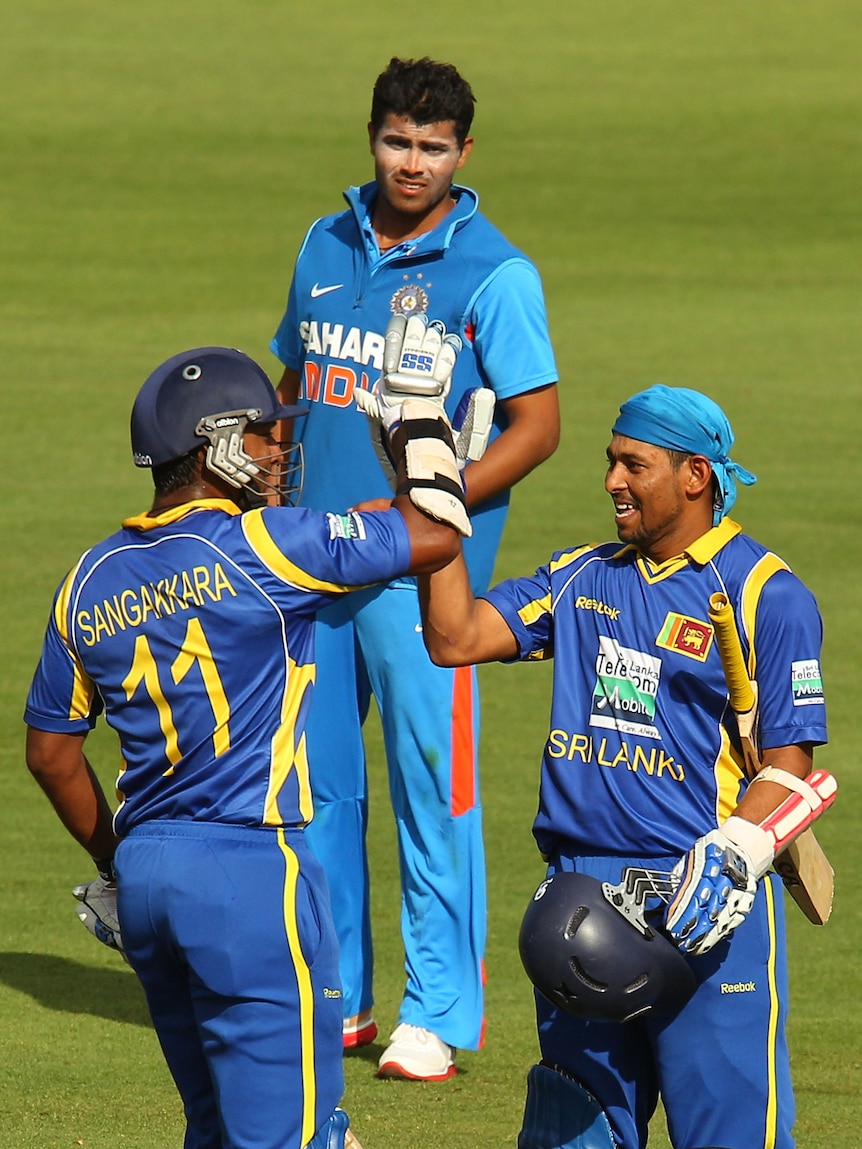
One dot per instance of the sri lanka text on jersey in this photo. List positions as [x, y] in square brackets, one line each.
[653, 760]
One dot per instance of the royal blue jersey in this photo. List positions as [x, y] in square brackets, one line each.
[194, 631]
[643, 754]
[343, 294]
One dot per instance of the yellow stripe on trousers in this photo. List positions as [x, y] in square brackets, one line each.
[772, 1085]
[306, 994]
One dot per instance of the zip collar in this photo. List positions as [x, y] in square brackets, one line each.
[361, 201]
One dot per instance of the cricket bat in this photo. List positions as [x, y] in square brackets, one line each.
[803, 867]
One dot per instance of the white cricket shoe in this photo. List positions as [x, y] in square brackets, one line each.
[417, 1055]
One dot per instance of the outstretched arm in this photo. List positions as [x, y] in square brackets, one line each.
[458, 628]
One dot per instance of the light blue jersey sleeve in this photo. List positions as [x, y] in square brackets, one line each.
[510, 330]
[285, 344]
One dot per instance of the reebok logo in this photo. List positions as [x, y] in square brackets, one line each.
[738, 987]
[584, 603]
[317, 290]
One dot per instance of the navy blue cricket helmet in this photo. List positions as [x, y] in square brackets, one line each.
[191, 387]
[585, 957]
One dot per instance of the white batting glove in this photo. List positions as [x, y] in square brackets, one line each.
[715, 884]
[418, 358]
[98, 912]
[472, 423]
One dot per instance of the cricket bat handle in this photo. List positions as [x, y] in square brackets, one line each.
[804, 868]
[742, 697]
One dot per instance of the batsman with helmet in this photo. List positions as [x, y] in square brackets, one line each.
[192, 629]
[657, 940]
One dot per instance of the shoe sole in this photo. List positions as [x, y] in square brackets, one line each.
[392, 1069]
[363, 1036]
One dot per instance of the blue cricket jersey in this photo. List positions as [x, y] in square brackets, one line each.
[344, 292]
[643, 755]
[194, 631]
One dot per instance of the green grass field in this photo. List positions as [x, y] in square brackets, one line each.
[687, 178]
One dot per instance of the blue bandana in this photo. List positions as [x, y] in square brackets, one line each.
[684, 420]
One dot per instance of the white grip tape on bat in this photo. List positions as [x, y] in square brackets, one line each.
[812, 797]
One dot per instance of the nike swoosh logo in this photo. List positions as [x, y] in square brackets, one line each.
[317, 290]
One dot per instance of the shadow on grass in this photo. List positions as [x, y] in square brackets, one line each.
[70, 987]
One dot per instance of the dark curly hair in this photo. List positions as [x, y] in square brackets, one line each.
[425, 90]
[177, 473]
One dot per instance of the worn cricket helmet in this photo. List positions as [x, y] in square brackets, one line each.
[208, 396]
[587, 958]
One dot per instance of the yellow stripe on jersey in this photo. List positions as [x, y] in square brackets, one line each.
[286, 753]
[535, 609]
[306, 806]
[657, 572]
[564, 560]
[758, 577]
[771, 1075]
[728, 777]
[539, 606]
[305, 989]
[264, 546]
[83, 690]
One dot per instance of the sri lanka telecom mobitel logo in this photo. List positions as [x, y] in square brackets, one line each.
[624, 697]
[806, 682]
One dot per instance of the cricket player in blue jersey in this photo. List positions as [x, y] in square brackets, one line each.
[411, 242]
[192, 629]
[643, 767]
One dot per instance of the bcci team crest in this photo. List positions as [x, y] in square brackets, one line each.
[409, 300]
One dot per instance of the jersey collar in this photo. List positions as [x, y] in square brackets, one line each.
[362, 199]
[701, 551]
[147, 522]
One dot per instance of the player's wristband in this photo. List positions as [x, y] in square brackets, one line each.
[105, 866]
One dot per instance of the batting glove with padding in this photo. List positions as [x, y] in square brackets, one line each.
[715, 884]
[98, 912]
[418, 358]
[433, 480]
[472, 423]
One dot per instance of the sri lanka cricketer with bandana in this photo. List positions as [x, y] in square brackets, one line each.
[642, 767]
